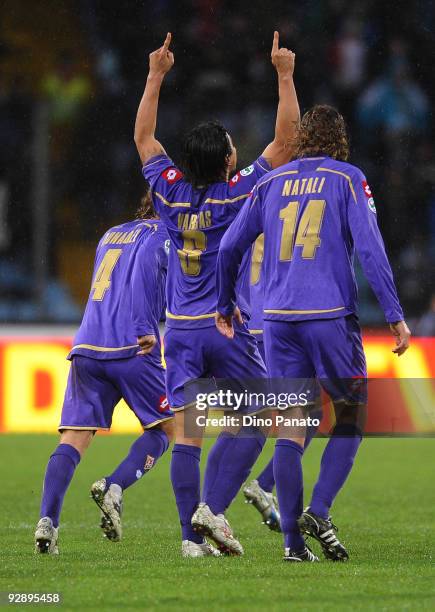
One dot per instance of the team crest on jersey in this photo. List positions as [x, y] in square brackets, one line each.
[368, 194]
[171, 175]
[167, 246]
[163, 404]
[148, 463]
[247, 171]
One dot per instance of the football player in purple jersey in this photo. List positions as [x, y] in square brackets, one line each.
[315, 213]
[116, 354]
[198, 201]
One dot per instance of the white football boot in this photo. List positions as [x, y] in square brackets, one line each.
[217, 528]
[110, 504]
[194, 550]
[266, 504]
[46, 537]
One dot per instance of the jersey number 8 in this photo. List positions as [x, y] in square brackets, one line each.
[194, 244]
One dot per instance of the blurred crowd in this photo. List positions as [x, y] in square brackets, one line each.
[372, 59]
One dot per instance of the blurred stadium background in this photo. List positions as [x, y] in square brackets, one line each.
[71, 76]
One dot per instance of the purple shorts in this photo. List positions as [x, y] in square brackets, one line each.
[95, 386]
[260, 343]
[204, 353]
[330, 350]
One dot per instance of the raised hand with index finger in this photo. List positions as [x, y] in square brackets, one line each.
[162, 60]
[282, 59]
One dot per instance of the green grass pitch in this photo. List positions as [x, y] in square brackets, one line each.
[385, 515]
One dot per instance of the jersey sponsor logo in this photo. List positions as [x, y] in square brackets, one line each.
[163, 404]
[171, 175]
[367, 189]
[235, 179]
[247, 171]
[368, 194]
[148, 463]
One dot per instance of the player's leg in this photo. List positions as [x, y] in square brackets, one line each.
[259, 492]
[336, 349]
[266, 479]
[291, 371]
[186, 483]
[183, 355]
[142, 456]
[140, 381]
[82, 414]
[238, 362]
[58, 475]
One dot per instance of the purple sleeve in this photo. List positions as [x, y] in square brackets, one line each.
[162, 175]
[370, 247]
[244, 230]
[245, 180]
[149, 259]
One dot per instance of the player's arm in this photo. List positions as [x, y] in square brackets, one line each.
[241, 234]
[160, 62]
[145, 280]
[373, 259]
[279, 151]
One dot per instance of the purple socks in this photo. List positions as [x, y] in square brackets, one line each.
[143, 455]
[213, 461]
[237, 454]
[287, 468]
[335, 467]
[266, 479]
[185, 477]
[58, 475]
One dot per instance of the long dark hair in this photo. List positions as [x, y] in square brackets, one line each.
[322, 131]
[204, 154]
[146, 208]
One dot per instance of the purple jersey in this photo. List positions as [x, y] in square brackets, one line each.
[127, 297]
[314, 212]
[196, 220]
[256, 287]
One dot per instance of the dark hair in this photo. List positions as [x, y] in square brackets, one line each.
[146, 208]
[322, 131]
[204, 154]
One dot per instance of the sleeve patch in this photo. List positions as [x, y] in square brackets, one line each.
[172, 175]
[367, 190]
[247, 171]
[369, 196]
[235, 179]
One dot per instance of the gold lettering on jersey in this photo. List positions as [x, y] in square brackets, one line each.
[286, 190]
[305, 186]
[122, 237]
[309, 188]
[193, 221]
[295, 190]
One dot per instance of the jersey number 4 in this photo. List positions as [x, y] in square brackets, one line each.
[194, 244]
[102, 280]
[305, 233]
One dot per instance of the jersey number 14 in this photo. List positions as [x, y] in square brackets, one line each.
[305, 233]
